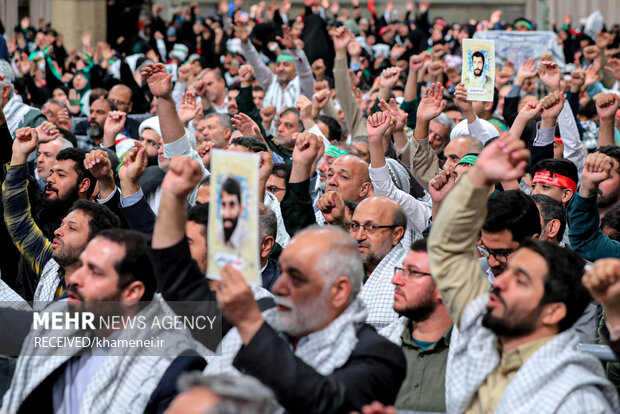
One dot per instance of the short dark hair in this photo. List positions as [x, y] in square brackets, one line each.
[611, 220]
[251, 143]
[136, 265]
[563, 280]
[78, 155]
[232, 186]
[612, 151]
[514, 211]
[267, 222]
[101, 217]
[300, 125]
[400, 219]
[551, 209]
[257, 88]
[479, 54]
[68, 135]
[281, 170]
[559, 166]
[199, 214]
[420, 245]
[335, 130]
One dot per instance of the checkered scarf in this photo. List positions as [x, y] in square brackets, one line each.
[282, 237]
[553, 377]
[10, 299]
[14, 111]
[393, 331]
[123, 384]
[48, 284]
[325, 350]
[378, 291]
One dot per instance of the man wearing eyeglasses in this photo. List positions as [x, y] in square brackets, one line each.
[422, 332]
[379, 225]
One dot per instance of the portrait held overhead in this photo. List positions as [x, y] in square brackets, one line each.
[314, 207]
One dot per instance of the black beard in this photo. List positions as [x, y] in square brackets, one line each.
[512, 329]
[477, 73]
[228, 231]
[421, 312]
[94, 131]
[152, 160]
[608, 200]
[58, 207]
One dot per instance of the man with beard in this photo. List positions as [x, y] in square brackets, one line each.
[515, 347]
[68, 181]
[46, 157]
[379, 226]
[212, 88]
[114, 273]
[150, 137]
[232, 233]
[479, 80]
[512, 217]
[609, 190]
[99, 111]
[422, 332]
[17, 113]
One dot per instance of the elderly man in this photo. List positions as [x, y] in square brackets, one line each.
[422, 331]
[121, 96]
[212, 86]
[330, 361]
[99, 111]
[217, 129]
[513, 345]
[293, 76]
[46, 157]
[17, 113]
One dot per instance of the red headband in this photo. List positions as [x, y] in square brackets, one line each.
[558, 140]
[555, 180]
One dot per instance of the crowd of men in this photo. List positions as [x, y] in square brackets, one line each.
[419, 251]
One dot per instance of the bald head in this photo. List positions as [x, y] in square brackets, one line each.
[348, 175]
[121, 95]
[460, 147]
[381, 207]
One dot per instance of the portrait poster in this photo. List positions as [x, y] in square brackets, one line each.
[233, 214]
[479, 69]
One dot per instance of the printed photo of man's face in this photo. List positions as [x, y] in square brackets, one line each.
[231, 207]
[478, 63]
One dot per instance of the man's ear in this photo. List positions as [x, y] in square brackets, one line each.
[553, 313]
[567, 194]
[399, 232]
[266, 246]
[339, 292]
[366, 190]
[227, 134]
[553, 227]
[133, 292]
[83, 186]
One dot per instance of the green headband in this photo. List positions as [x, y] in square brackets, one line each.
[523, 22]
[334, 151]
[285, 58]
[469, 159]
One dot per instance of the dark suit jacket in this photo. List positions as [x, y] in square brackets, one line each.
[151, 179]
[374, 372]
[270, 274]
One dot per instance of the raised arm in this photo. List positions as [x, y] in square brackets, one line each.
[452, 258]
[606, 106]
[263, 74]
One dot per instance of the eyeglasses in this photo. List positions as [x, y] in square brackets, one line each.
[409, 274]
[118, 102]
[501, 255]
[150, 143]
[368, 228]
[274, 188]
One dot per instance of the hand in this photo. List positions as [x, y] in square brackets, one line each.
[246, 75]
[246, 125]
[74, 96]
[158, 79]
[496, 16]
[593, 74]
[266, 166]
[416, 62]
[552, 105]
[319, 100]
[432, 103]
[304, 107]
[184, 72]
[237, 303]
[63, 119]
[529, 112]
[332, 207]
[98, 163]
[603, 282]
[389, 77]
[597, 169]
[509, 67]
[24, 64]
[606, 105]
[318, 69]
[590, 53]
[440, 185]
[47, 132]
[26, 141]
[394, 110]
[242, 33]
[460, 97]
[134, 164]
[340, 37]
[268, 113]
[182, 177]
[376, 407]
[114, 123]
[549, 73]
[379, 125]
[307, 147]
[287, 39]
[424, 6]
[577, 79]
[204, 150]
[613, 66]
[354, 48]
[526, 71]
[188, 109]
[504, 159]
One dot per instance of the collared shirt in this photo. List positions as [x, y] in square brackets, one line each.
[86, 143]
[492, 389]
[424, 387]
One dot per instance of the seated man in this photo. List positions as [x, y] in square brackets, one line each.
[422, 332]
[328, 361]
[72, 378]
[512, 349]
